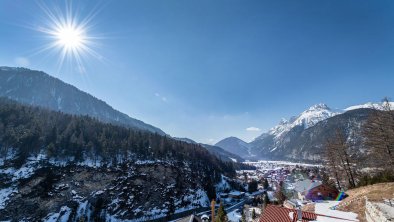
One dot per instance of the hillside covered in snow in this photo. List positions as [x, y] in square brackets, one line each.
[60, 167]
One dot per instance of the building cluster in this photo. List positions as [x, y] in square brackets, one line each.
[300, 183]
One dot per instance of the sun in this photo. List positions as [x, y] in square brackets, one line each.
[70, 38]
[69, 35]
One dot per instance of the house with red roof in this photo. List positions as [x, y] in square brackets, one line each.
[274, 213]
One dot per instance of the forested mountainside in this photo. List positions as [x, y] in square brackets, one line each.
[40, 89]
[55, 165]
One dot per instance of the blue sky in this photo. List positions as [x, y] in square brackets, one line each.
[211, 69]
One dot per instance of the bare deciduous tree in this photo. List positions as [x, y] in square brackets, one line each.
[338, 158]
[379, 136]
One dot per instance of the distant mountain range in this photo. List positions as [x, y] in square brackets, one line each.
[301, 138]
[40, 89]
[236, 146]
[218, 151]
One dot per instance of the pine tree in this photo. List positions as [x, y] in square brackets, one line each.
[254, 214]
[266, 184]
[252, 186]
[222, 214]
[266, 200]
[243, 218]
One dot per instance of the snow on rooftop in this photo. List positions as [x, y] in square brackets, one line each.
[324, 208]
[234, 216]
[305, 185]
[235, 193]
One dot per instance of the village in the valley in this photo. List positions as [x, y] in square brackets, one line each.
[286, 191]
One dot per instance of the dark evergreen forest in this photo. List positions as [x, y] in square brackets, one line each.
[32, 130]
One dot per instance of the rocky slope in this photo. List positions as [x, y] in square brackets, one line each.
[59, 167]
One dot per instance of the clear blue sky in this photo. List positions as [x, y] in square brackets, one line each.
[210, 69]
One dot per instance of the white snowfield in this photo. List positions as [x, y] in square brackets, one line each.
[370, 105]
[324, 209]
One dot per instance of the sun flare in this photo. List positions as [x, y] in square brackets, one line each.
[69, 35]
[70, 38]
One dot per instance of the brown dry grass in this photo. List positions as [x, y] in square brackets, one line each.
[355, 202]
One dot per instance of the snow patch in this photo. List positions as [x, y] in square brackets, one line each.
[234, 160]
[62, 216]
[5, 195]
[197, 198]
[222, 185]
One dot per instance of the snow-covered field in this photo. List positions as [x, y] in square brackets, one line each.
[272, 164]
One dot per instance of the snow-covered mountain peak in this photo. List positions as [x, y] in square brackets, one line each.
[314, 115]
[308, 118]
[319, 106]
[283, 121]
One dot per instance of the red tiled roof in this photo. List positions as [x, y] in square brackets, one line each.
[281, 214]
[275, 213]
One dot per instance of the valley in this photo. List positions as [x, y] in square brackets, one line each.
[196, 111]
[65, 160]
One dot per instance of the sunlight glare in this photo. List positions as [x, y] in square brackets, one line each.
[70, 38]
[69, 35]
